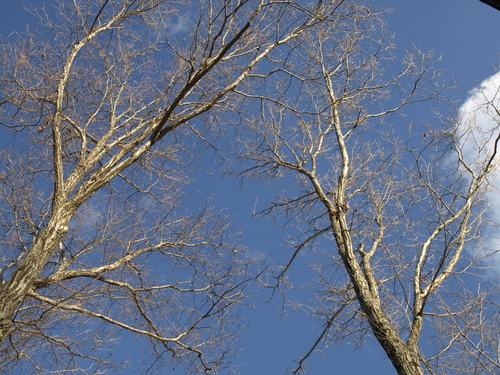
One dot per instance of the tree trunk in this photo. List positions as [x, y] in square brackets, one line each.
[14, 291]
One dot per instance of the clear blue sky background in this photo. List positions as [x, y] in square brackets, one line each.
[467, 34]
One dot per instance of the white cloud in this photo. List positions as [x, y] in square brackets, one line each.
[479, 127]
[480, 116]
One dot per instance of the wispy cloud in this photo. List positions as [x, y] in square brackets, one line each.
[178, 24]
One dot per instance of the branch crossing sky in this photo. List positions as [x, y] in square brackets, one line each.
[466, 34]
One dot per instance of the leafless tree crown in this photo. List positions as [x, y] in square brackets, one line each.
[107, 102]
[389, 210]
[98, 236]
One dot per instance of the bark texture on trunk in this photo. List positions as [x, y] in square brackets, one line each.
[15, 290]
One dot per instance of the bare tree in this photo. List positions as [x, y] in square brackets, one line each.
[390, 211]
[97, 236]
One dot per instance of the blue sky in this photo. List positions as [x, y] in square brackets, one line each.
[465, 33]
